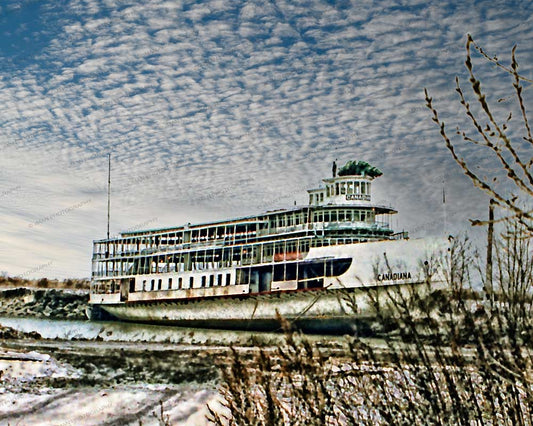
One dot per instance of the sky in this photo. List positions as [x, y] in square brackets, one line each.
[217, 109]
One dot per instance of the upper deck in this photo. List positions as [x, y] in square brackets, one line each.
[339, 212]
[343, 201]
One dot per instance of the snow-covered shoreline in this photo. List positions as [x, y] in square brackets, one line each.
[58, 382]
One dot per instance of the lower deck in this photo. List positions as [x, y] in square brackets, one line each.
[256, 279]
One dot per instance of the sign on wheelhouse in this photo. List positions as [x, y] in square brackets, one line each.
[241, 273]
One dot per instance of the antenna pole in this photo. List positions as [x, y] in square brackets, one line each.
[444, 205]
[108, 191]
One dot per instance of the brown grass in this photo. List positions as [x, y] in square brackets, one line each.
[14, 282]
[451, 359]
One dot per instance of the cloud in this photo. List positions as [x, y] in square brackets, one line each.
[215, 109]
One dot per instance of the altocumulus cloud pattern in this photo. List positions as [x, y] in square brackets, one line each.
[220, 108]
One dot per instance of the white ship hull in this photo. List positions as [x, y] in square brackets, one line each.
[318, 310]
[333, 308]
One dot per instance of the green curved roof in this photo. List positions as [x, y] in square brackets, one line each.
[359, 168]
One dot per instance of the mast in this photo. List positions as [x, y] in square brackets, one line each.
[108, 208]
[108, 191]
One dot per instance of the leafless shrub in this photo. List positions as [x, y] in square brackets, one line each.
[71, 283]
[509, 145]
[451, 358]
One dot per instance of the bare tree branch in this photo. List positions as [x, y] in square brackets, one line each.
[494, 136]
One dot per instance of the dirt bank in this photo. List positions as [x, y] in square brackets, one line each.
[10, 333]
[106, 364]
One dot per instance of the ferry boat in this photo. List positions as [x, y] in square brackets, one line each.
[308, 264]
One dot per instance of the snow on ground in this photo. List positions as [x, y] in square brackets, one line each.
[122, 405]
[19, 367]
[26, 400]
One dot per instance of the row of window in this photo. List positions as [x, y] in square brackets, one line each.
[263, 274]
[210, 258]
[340, 188]
[284, 220]
[214, 280]
[330, 215]
[343, 216]
[202, 235]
